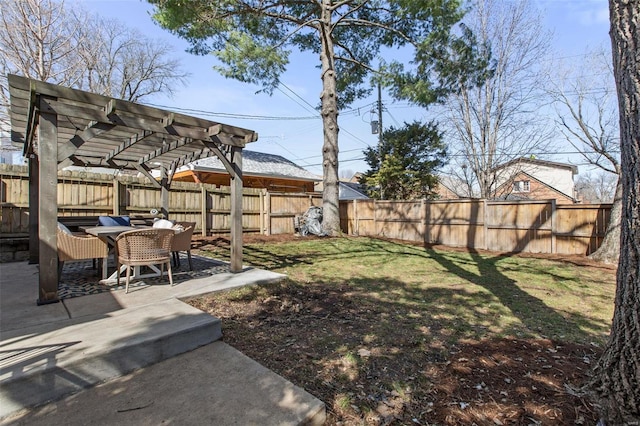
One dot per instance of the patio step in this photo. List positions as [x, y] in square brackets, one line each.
[47, 365]
[212, 385]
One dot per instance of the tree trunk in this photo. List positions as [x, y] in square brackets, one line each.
[609, 250]
[617, 376]
[330, 195]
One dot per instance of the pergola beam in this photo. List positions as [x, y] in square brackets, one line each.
[130, 121]
[147, 172]
[129, 142]
[30, 127]
[93, 129]
[223, 158]
[166, 147]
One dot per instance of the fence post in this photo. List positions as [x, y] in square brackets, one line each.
[375, 218]
[356, 230]
[116, 197]
[423, 218]
[553, 227]
[485, 224]
[268, 218]
[263, 191]
[203, 209]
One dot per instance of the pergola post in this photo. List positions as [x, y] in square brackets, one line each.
[34, 198]
[164, 192]
[48, 207]
[236, 210]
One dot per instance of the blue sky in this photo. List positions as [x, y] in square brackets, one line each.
[576, 25]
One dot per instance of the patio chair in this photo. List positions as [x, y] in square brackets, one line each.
[144, 247]
[80, 247]
[182, 242]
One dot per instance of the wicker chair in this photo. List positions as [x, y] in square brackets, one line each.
[182, 242]
[80, 247]
[144, 247]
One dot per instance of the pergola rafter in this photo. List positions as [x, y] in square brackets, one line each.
[74, 127]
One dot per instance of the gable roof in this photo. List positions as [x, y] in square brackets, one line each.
[351, 191]
[454, 185]
[535, 161]
[257, 164]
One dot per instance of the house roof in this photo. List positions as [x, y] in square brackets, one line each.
[453, 184]
[258, 164]
[536, 161]
[351, 191]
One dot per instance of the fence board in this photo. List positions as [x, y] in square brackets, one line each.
[505, 226]
[530, 226]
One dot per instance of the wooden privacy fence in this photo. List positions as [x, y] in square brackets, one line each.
[90, 194]
[506, 226]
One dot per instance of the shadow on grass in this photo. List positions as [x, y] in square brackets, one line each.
[364, 345]
[505, 299]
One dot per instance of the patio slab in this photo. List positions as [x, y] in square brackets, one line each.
[141, 339]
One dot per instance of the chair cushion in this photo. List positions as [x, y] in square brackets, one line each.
[163, 223]
[114, 221]
[63, 228]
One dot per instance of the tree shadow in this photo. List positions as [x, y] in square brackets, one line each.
[367, 347]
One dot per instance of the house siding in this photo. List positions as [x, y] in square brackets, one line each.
[537, 190]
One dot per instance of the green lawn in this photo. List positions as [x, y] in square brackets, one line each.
[470, 295]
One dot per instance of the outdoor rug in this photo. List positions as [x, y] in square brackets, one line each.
[81, 279]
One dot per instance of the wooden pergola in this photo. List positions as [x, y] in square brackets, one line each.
[78, 128]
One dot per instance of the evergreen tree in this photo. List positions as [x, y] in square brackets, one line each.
[404, 166]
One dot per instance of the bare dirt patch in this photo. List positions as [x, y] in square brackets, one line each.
[373, 365]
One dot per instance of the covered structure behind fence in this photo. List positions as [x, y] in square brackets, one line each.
[59, 127]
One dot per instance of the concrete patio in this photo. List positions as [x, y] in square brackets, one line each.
[140, 358]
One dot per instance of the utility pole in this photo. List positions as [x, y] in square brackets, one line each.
[380, 120]
[380, 134]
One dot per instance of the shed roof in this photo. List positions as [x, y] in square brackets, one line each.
[538, 162]
[258, 164]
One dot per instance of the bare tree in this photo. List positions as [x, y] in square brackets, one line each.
[38, 39]
[496, 122]
[585, 101]
[127, 65]
[596, 188]
[44, 40]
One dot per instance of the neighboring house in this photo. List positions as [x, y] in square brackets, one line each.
[451, 188]
[259, 170]
[351, 191]
[347, 190]
[532, 179]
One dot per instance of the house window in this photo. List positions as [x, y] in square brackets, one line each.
[521, 186]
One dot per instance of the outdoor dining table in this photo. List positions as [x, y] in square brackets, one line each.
[109, 235]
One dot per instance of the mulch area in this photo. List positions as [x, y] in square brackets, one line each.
[333, 344]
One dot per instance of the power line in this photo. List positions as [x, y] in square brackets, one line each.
[305, 105]
[232, 115]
